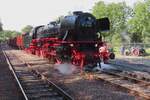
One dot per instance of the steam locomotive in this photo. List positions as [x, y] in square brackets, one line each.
[72, 38]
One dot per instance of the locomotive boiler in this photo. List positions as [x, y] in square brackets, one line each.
[72, 39]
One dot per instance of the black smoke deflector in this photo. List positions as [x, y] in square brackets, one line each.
[103, 24]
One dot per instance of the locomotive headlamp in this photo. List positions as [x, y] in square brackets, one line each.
[71, 45]
[96, 45]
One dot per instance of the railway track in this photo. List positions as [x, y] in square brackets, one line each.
[131, 66]
[135, 86]
[34, 85]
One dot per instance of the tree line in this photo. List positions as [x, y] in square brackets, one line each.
[127, 24]
[6, 34]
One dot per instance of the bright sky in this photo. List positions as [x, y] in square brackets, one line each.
[15, 14]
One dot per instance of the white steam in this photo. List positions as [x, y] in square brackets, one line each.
[125, 36]
[65, 68]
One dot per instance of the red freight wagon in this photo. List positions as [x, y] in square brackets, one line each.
[19, 41]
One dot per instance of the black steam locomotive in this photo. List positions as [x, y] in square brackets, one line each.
[72, 38]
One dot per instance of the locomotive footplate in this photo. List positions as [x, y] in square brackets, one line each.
[92, 64]
[92, 68]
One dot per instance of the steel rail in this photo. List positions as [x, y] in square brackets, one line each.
[122, 77]
[127, 77]
[58, 89]
[41, 76]
[15, 75]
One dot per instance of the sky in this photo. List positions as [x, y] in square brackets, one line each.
[16, 14]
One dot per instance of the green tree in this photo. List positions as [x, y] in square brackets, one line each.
[118, 13]
[27, 28]
[6, 34]
[137, 22]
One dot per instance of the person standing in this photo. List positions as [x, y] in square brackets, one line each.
[122, 50]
